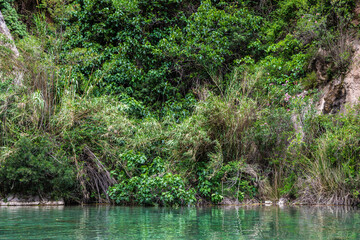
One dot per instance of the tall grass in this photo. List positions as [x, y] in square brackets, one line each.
[330, 160]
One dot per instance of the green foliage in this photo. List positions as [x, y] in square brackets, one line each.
[35, 167]
[212, 38]
[208, 188]
[327, 153]
[310, 81]
[181, 101]
[12, 18]
[103, 27]
[166, 190]
[58, 10]
[271, 132]
[146, 183]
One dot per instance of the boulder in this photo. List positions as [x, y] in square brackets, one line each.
[282, 202]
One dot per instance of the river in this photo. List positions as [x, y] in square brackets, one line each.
[113, 222]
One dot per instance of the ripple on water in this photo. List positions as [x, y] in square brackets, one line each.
[111, 222]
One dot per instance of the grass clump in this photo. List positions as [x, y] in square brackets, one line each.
[331, 170]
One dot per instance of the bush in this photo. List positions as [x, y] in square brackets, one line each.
[146, 182]
[330, 161]
[166, 190]
[12, 18]
[34, 167]
[212, 148]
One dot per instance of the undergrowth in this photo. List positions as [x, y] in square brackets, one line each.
[178, 103]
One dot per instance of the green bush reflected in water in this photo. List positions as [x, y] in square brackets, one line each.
[109, 222]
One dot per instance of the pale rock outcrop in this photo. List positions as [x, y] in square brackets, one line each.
[13, 200]
[352, 78]
[343, 90]
[282, 202]
[6, 32]
[333, 97]
[7, 40]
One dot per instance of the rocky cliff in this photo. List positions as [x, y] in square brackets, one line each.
[344, 90]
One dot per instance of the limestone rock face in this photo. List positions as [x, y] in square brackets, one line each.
[352, 79]
[344, 90]
[13, 200]
[333, 97]
[5, 30]
[7, 41]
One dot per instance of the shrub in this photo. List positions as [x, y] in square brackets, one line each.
[146, 182]
[330, 160]
[165, 190]
[12, 18]
[208, 145]
[35, 167]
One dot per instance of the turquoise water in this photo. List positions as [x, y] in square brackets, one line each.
[110, 222]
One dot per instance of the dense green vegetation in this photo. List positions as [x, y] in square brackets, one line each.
[176, 102]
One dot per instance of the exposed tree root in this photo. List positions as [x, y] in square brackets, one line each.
[312, 192]
[94, 178]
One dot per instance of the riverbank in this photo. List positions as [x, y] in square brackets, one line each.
[37, 201]
[30, 201]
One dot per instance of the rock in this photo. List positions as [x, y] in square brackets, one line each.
[29, 201]
[5, 31]
[352, 78]
[343, 90]
[282, 202]
[14, 199]
[6, 40]
[298, 126]
[333, 97]
[268, 203]
[229, 201]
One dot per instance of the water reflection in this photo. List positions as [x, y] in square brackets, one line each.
[247, 222]
[302, 222]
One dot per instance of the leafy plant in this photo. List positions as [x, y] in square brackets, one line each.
[35, 167]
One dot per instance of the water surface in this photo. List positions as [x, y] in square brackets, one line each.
[111, 222]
